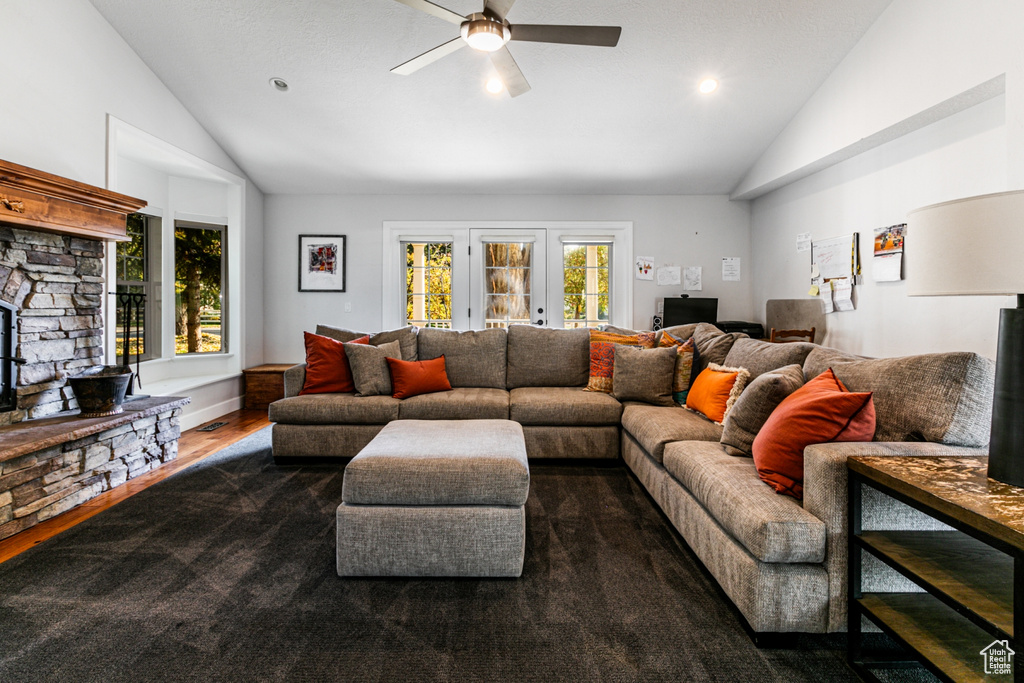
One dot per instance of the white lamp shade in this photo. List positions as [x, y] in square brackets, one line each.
[967, 246]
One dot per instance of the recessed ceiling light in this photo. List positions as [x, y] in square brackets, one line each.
[279, 83]
[708, 85]
[495, 86]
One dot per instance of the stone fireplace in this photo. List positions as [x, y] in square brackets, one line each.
[52, 287]
[56, 285]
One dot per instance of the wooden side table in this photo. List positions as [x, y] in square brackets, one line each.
[264, 384]
[968, 624]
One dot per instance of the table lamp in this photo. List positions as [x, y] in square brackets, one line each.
[975, 246]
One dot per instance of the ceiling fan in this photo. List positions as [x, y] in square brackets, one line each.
[488, 31]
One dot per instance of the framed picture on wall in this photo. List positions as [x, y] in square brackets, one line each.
[321, 263]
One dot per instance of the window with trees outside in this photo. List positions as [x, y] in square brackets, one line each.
[135, 276]
[428, 284]
[586, 284]
[199, 277]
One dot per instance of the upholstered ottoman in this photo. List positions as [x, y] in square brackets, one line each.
[436, 498]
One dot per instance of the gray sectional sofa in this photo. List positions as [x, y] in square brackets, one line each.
[781, 561]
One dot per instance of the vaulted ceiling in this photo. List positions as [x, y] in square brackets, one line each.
[623, 120]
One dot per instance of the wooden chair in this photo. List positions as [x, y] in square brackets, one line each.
[784, 336]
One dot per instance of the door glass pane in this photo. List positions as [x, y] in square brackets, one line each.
[507, 279]
[428, 284]
[586, 281]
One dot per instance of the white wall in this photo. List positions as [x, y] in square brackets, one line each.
[67, 70]
[918, 54]
[680, 230]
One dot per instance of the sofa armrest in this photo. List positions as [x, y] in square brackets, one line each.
[294, 378]
[825, 497]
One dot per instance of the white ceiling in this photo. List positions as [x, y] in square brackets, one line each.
[624, 120]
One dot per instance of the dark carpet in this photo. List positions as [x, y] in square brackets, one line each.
[226, 571]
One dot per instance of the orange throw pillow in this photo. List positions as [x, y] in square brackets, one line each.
[821, 411]
[602, 355]
[327, 370]
[715, 391]
[414, 377]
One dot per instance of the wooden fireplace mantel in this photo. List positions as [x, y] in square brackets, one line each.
[50, 203]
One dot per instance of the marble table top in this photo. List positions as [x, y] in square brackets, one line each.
[956, 486]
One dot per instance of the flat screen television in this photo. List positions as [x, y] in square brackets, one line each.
[680, 311]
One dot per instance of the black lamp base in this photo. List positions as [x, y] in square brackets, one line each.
[1006, 446]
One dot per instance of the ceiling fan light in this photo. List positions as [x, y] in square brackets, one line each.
[495, 86]
[485, 35]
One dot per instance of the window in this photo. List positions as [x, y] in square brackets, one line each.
[586, 284]
[199, 277]
[428, 284]
[507, 279]
[136, 275]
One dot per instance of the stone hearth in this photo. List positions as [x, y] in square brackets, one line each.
[51, 465]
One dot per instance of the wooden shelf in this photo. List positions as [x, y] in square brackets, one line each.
[958, 568]
[947, 642]
[969, 575]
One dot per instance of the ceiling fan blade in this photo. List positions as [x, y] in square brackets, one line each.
[509, 71]
[435, 10]
[429, 57]
[601, 36]
[499, 8]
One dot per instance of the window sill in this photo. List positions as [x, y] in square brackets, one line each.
[181, 386]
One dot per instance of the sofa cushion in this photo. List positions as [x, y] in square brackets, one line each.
[602, 355]
[334, 409]
[461, 403]
[655, 426]
[644, 375]
[414, 377]
[939, 397]
[441, 463]
[370, 367]
[713, 345]
[758, 357]
[821, 411]
[686, 358]
[715, 391]
[755, 406]
[562, 406]
[406, 336]
[547, 357]
[327, 369]
[771, 527]
[474, 358]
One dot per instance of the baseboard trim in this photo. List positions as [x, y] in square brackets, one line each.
[190, 420]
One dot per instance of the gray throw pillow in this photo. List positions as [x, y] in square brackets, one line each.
[370, 371]
[759, 357]
[755, 405]
[405, 335]
[644, 374]
[713, 345]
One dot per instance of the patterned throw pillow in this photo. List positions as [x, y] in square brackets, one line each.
[602, 355]
[686, 356]
[715, 391]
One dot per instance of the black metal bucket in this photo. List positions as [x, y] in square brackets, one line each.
[100, 389]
